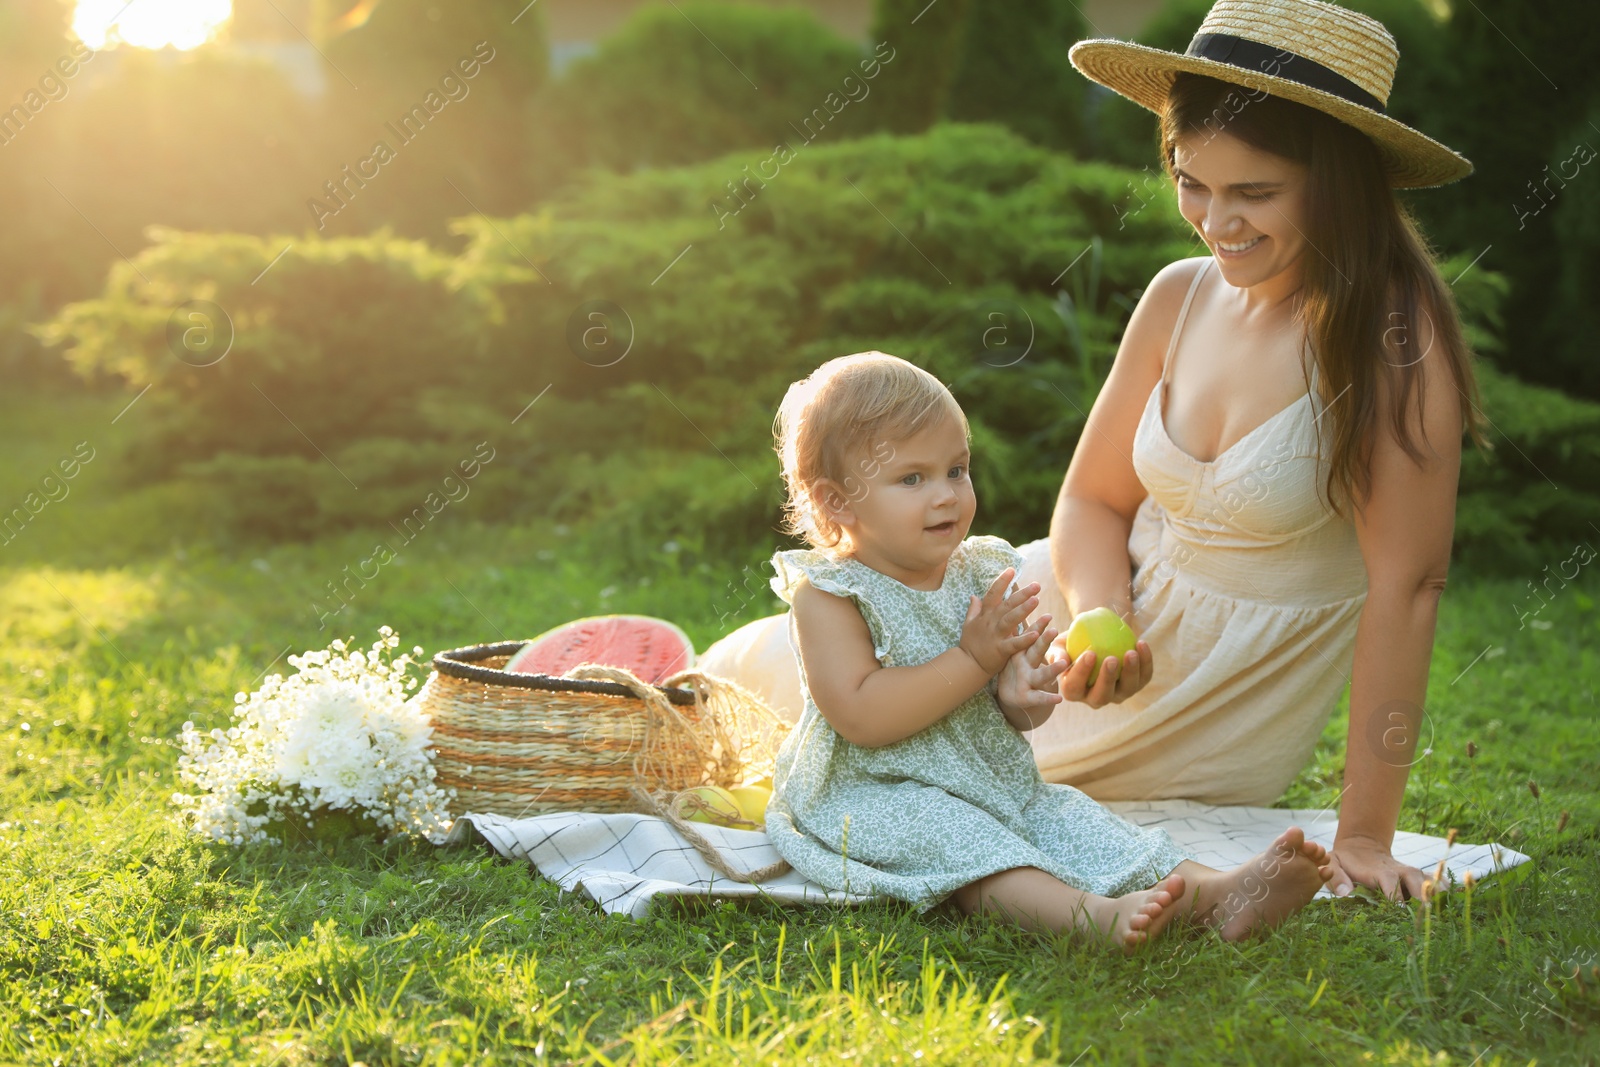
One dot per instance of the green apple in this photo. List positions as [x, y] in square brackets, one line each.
[1101, 631]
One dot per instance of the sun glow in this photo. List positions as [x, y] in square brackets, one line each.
[182, 24]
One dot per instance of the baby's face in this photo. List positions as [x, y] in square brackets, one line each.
[912, 499]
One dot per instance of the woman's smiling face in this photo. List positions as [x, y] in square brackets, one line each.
[1233, 194]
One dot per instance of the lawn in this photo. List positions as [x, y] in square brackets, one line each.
[124, 940]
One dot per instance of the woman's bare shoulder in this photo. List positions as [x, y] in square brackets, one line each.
[1156, 314]
[1172, 282]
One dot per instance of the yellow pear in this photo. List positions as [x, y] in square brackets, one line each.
[752, 800]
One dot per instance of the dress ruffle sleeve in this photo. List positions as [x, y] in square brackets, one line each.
[841, 577]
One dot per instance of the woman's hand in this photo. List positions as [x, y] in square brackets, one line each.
[990, 632]
[1027, 692]
[1363, 861]
[1118, 680]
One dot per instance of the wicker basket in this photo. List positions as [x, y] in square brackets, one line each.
[523, 744]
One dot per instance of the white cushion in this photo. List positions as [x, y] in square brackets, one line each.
[757, 656]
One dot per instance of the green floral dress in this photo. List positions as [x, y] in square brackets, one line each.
[958, 800]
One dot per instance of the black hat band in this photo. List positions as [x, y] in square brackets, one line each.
[1251, 55]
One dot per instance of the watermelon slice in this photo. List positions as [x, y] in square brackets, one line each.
[652, 648]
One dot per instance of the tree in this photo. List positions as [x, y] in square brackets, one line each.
[1014, 70]
[928, 39]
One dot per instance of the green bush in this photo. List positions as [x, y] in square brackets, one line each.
[335, 344]
[1539, 492]
[1538, 489]
[1573, 320]
[679, 85]
[623, 351]
[171, 135]
[975, 223]
[1116, 129]
[405, 45]
[1014, 70]
[386, 359]
[215, 140]
[1516, 111]
[683, 83]
[930, 39]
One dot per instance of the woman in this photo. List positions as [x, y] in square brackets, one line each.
[1265, 486]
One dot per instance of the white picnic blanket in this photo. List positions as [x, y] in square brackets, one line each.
[624, 862]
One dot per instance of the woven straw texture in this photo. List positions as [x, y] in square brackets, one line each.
[520, 744]
[1347, 42]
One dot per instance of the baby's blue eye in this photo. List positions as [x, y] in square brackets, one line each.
[957, 471]
[910, 479]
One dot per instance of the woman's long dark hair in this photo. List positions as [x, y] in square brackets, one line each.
[1365, 271]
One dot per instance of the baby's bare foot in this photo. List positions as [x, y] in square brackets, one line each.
[1269, 888]
[1134, 918]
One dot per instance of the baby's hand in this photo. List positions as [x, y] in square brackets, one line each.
[989, 634]
[1028, 683]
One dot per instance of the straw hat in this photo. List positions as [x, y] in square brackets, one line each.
[1321, 55]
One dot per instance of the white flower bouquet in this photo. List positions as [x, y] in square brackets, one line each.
[339, 742]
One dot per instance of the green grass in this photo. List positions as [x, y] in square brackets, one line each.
[123, 940]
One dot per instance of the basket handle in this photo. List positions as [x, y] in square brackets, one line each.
[670, 810]
[463, 663]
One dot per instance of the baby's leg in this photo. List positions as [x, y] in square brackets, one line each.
[1260, 893]
[1035, 899]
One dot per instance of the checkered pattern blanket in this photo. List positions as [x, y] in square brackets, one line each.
[625, 862]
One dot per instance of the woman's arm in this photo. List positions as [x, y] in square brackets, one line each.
[1405, 531]
[1101, 492]
[1089, 549]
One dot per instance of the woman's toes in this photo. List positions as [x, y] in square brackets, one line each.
[1293, 840]
[1173, 885]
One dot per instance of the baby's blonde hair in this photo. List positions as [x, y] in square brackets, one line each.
[838, 411]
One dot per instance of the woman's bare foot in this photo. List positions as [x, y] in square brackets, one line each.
[1264, 891]
[1134, 918]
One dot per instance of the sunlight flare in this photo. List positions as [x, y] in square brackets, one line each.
[182, 24]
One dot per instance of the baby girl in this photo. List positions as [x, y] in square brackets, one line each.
[908, 773]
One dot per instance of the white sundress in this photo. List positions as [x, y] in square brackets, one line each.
[1248, 592]
[954, 802]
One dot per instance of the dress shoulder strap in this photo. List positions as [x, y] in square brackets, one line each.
[1308, 353]
[1183, 313]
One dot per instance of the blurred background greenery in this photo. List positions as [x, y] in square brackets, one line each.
[604, 237]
